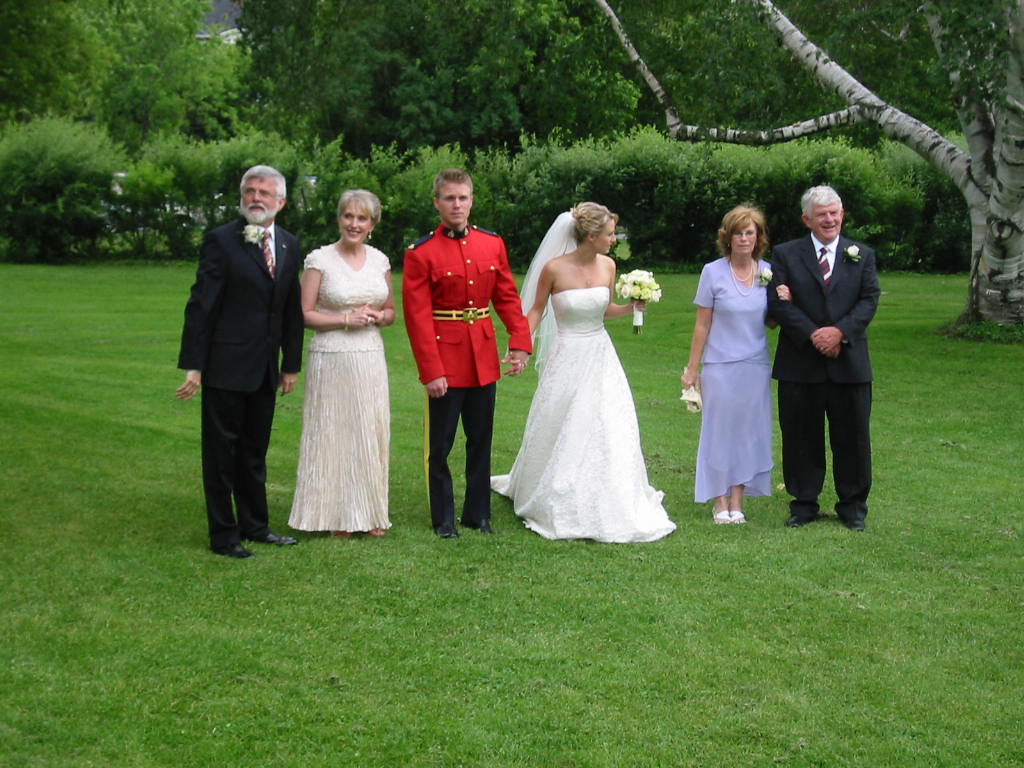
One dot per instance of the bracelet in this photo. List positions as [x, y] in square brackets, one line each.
[346, 321]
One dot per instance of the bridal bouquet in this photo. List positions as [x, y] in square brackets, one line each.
[638, 285]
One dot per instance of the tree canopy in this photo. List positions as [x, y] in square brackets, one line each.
[982, 55]
[432, 72]
[417, 73]
[475, 74]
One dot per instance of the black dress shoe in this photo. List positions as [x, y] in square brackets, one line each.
[854, 525]
[274, 538]
[484, 527]
[795, 521]
[232, 550]
[447, 531]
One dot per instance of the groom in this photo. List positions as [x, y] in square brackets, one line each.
[242, 340]
[821, 361]
[450, 280]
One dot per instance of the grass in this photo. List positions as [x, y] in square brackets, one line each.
[126, 643]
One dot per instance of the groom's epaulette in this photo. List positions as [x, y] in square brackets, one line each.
[418, 243]
[485, 231]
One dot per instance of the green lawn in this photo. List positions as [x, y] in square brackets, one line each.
[125, 642]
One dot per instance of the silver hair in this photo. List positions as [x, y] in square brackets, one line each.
[265, 172]
[364, 199]
[822, 195]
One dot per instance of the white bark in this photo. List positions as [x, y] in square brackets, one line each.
[1000, 274]
[990, 174]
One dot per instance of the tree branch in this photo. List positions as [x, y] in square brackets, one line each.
[671, 114]
[848, 116]
[864, 105]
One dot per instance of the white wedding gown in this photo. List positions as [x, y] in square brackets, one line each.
[580, 471]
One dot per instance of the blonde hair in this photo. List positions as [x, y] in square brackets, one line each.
[736, 219]
[363, 199]
[590, 219]
[452, 176]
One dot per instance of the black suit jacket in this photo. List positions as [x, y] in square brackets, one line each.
[240, 323]
[848, 302]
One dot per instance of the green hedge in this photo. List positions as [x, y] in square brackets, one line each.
[178, 188]
[670, 195]
[56, 191]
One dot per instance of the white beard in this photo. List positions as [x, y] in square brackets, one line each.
[255, 214]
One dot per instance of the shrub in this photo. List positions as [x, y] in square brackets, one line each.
[402, 181]
[179, 188]
[57, 190]
[670, 195]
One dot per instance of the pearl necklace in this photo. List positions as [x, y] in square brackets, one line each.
[747, 281]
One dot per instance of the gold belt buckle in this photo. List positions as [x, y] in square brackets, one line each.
[469, 315]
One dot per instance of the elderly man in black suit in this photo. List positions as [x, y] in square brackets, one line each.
[242, 340]
[821, 361]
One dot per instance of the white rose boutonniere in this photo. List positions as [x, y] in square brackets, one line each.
[764, 277]
[853, 254]
[252, 234]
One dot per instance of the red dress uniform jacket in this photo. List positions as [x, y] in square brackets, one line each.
[456, 273]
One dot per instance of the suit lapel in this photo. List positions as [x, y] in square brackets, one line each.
[253, 250]
[281, 256]
[841, 268]
[256, 252]
[280, 251]
[810, 259]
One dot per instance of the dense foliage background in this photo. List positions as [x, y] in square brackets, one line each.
[133, 140]
[59, 204]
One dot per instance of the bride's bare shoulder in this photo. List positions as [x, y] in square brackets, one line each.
[606, 263]
[557, 265]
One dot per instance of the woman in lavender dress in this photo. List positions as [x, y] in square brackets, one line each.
[734, 458]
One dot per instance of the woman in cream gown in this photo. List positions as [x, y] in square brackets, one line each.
[580, 471]
[342, 479]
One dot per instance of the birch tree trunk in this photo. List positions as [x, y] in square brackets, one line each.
[989, 175]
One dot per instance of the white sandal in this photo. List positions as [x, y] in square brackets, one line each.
[723, 517]
[736, 516]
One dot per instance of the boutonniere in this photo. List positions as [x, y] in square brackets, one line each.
[764, 277]
[852, 254]
[252, 234]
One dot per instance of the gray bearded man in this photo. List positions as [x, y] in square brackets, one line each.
[241, 341]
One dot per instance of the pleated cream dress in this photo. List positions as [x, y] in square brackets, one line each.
[342, 482]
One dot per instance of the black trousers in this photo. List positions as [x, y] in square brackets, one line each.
[235, 436]
[475, 407]
[803, 409]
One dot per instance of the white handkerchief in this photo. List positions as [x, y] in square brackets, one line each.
[692, 399]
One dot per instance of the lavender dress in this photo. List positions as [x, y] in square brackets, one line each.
[736, 427]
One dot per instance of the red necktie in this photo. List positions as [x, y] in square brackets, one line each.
[826, 273]
[268, 251]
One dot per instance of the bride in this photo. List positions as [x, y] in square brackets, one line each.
[580, 472]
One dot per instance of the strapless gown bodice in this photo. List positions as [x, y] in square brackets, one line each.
[580, 311]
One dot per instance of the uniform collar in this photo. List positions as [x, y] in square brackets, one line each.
[455, 234]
